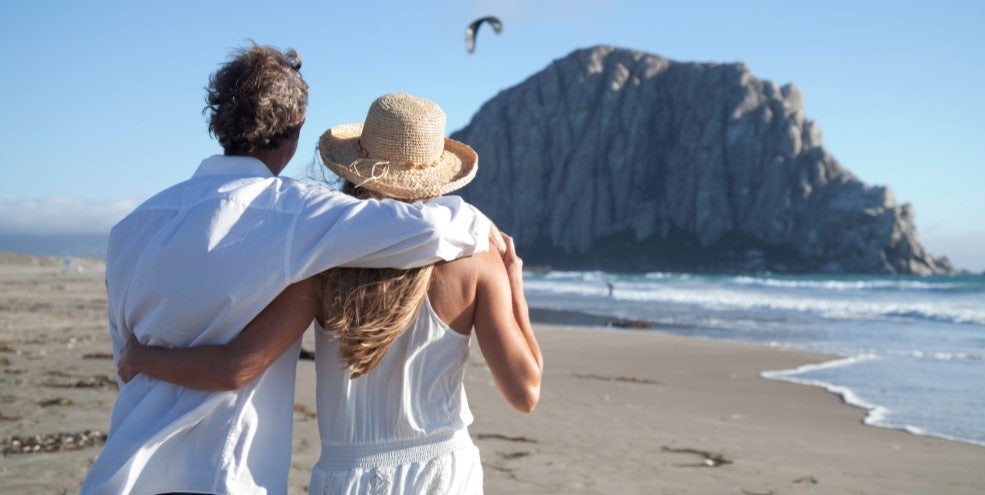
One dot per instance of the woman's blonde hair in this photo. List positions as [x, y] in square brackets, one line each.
[368, 308]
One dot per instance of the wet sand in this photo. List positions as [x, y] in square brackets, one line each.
[621, 411]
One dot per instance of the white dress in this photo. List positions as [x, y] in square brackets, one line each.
[402, 427]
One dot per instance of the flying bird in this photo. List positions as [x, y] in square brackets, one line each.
[474, 28]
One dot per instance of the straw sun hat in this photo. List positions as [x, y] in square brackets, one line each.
[400, 151]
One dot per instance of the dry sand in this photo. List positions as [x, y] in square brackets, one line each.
[620, 412]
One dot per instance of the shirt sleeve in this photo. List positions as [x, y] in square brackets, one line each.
[334, 229]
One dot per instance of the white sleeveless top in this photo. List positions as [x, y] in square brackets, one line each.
[415, 392]
[402, 427]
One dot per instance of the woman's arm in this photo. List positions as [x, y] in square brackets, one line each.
[242, 360]
[502, 328]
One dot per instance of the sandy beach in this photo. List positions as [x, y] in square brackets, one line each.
[621, 411]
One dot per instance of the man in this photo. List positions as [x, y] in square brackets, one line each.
[195, 263]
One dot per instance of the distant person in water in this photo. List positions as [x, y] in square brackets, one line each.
[392, 345]
[197, 262]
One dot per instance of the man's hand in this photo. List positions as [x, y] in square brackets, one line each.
[497, 238]
[513, 262]
[127, 368]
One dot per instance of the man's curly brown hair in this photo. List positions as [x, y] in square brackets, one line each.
[256, 100]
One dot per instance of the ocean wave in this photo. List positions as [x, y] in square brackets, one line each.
[876, 415]
[565, 289]
[938, 355]
[972, 284]
[848, 395]
[807, 368]
[715, 297]
[915, 430]
[962, 316]
[592, 276]
[847, 285]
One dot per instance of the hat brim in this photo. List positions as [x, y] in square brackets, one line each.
[339, 151]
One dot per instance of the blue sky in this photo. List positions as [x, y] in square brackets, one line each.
[102, 100]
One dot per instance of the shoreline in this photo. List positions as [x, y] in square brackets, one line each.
[639, 411]
[589, 321]
[677, 403]
[872, 412]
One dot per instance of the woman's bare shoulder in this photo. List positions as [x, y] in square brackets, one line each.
[469, 268]
[454, 284]
[454, 288]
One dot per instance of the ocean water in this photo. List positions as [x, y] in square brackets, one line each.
[912, 348]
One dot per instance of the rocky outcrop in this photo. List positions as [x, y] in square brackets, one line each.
[618, 159]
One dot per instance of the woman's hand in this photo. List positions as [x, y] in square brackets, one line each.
[127, 367]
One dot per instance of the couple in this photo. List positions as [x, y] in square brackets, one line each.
[212, 282]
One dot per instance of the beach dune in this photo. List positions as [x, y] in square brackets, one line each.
[620, 411]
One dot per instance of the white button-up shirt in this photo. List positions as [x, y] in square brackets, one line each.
[197, 262]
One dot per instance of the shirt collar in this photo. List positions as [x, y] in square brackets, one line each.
[246, 166]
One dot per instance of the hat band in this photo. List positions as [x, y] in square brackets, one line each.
[373, 176]
[408, 164]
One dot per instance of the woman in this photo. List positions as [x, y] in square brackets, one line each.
[392, 345]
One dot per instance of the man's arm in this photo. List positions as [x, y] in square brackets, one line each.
[242, 360]
[338, 230]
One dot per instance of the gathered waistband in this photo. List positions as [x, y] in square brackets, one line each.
[347, 456]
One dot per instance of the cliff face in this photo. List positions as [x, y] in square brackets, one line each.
[617, 159]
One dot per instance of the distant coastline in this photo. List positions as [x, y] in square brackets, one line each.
[540, 261]
[80, 245]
